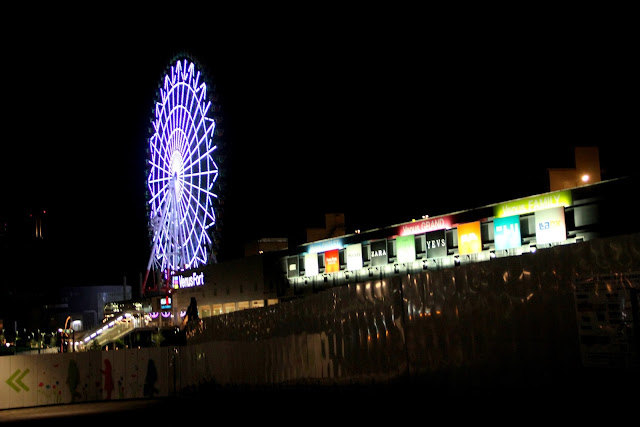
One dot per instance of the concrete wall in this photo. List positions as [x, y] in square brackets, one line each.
[50, 379]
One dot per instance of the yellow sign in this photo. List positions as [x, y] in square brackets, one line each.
[469, 238]
[532, 204]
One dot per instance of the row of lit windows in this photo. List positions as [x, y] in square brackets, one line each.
[230, 307]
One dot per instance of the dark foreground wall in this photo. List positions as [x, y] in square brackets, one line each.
[516, 320]
[557, 322]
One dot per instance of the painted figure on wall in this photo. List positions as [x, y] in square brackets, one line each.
[73, 379]
[150, 380]
[108, 378]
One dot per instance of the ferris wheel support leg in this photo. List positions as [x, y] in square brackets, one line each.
[146, 275]
[156, 238]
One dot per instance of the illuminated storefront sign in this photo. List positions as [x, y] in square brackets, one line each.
[325, 245]
[506, 232]
[469, 238]
[532, 204]
[550, 225]
[379, 253]
[425, 225]
[188, 281]
[436, 243]
[332, 261]
[406, 248]
[165, 302]
[354, 257]
[311, 264]
[292, 266]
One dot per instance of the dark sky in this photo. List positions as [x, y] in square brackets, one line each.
[384, 125]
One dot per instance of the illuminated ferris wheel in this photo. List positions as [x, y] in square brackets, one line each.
[182, 172]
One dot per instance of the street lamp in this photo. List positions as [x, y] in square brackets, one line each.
[64, 333]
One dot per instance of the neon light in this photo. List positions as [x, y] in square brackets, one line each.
[165, 314]
[154, 314]
[325, 245]
[182, 172]
[188, 281]
[532, 204]
[425, 225]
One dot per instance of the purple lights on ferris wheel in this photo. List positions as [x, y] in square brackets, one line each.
[182, 171]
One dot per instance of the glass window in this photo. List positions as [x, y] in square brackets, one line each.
[205, 311]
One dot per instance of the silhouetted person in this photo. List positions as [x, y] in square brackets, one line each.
[192, 311]
[150, 380]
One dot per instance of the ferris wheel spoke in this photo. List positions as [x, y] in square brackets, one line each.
[160, 193]
[195, 187]
[188, 230]
[202, 122]
[205, 173]
[159, 167]
[157, 180]
[197, 218]
[190, 165]
[197, 137]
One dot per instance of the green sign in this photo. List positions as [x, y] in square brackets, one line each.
[406, 248]
[532, 204]
[15, 380]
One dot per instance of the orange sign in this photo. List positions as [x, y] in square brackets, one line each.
[332, 261]
[469, 238]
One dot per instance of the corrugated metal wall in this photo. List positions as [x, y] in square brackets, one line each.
[503, 320]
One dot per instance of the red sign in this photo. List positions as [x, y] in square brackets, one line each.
[425, 225]
[332, 261]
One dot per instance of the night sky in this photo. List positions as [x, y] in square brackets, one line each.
[382, 125]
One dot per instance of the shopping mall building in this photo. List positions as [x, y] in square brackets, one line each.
[508, 229]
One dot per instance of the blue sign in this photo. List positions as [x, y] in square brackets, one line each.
[506, 232]
[325, 245]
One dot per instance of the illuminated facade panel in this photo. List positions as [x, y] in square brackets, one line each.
[469, 238]
[311, 265]
[406, 248]
[332, 261]
[506, 232]
[436, 243]
[379, 253]
[354, 257]
[550, 226]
